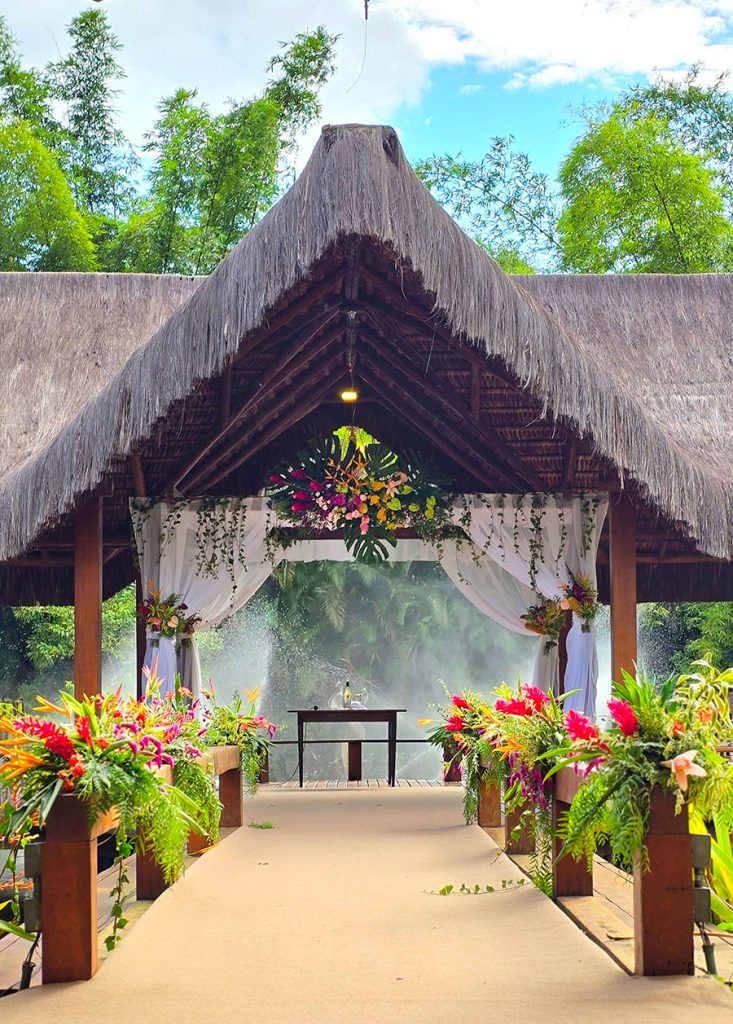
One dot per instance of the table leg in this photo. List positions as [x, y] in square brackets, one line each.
[392, 750]
[301, 746]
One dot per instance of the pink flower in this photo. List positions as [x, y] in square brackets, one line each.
[578, 727]
[299, 474]
[535, 696]
[364, 525]
[624, 716]
[277, 479]
[301, 495]
[454, 724]
[682, 766]
[515, 706]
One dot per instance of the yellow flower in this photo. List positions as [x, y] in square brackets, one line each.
[363, 509]
[425, 721]
[374, 500]
[382, 515]
[252, 695]
[47, 707]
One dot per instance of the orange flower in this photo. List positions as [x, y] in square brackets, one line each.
[507, 748]
[682, 766]
[705, 715]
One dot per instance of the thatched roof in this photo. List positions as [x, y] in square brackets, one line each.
[64, 337]
[636, 363]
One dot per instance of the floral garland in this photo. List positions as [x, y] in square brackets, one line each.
[581, 598]
[365, 491]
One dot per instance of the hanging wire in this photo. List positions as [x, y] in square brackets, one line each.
[364, 55]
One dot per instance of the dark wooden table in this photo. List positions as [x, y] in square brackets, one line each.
[388, 715]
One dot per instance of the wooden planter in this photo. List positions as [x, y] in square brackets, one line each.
[69, 872]
[663, 896]
[489, 801]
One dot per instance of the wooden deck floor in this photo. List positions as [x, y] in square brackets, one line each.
[362, 784]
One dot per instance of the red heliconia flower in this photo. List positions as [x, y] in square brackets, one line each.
[277, 479]
[578, 727]
[459, 702]
[515, 706]
[52, 735]
[624, 716]
[299, 474]
[535, 696]
[454, 724]
[299, 506]
[83, 728]
[301, 496]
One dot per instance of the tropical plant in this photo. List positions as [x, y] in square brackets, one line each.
[230, 724]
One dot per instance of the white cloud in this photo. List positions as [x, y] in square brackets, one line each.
[471, 89]
[222, 46]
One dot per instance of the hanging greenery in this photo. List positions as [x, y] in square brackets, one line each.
[365, 490]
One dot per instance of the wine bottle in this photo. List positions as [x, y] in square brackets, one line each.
[347, 694]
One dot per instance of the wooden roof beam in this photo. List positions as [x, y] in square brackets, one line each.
[285, 365]
[452, 402]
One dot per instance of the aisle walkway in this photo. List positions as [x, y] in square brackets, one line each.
[327, 919]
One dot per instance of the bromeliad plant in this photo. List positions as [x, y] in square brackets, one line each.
[231, 724]
[546, 618]
[110, 753]
[581, 598]
[662, 736]
[166, 616]
[464, 735]
[363, 489]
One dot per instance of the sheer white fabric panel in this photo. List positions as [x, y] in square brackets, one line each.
[171, 563]
[500, 596]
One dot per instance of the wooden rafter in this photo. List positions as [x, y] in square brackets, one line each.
[508, 463]
[284, 367]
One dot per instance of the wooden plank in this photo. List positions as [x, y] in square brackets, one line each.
[569, 876]
[663, 898]
[88, 599]
[622, 566]
[69, 910]
[354, 760]
[489, 803]
[517, 834]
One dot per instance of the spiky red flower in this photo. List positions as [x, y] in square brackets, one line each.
[578, 727]
[515, 706]
[459, 702]
[53, 736]
[535, 696]
[624, 716]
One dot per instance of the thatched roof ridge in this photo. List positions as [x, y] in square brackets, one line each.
[358, 184]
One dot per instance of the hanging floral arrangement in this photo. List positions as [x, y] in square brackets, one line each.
[547, 619]
[364, 490]
[166, 616]
[581, 598]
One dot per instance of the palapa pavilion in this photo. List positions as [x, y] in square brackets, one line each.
[125, 388]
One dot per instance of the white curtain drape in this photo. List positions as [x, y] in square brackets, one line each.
[516, 555]
[166, 537]
[538, 546]
[501, 597]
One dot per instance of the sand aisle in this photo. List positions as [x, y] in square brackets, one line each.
[327, 919]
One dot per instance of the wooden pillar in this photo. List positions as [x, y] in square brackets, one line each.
[663, 896]
[570, 877]
[489, 803]
[354, 759]
[622, 565]
[517, 831]
[231, 796]
[140, 633]
[88, 564]
[562, 647]
[149, 880]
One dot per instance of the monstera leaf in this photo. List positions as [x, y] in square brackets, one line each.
[370, 548]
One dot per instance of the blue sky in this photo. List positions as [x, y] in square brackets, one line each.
[448, 74]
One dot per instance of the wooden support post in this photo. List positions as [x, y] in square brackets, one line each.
[569, 877]
[489, 803]
[149, 881]
[69, 894]
[88, 564]
[451, 763]
[663, 897]
[354, 774]
[521, 841]
[265, 769]
[231, 796]
[622, 565]
[140, 633]
[562, 646]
